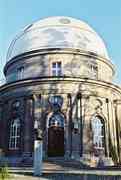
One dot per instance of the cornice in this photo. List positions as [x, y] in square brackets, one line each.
[53, 80]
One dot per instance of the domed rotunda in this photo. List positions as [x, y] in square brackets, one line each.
[59, 77]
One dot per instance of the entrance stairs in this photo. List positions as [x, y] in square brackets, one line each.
[60, 164]
[60, 168]
[51, 164]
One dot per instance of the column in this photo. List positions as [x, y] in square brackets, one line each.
[1, 130]
[117, 106]
[79, 118]
[37, 158]
[68, 129]
[28, 128]
[109, 142]
[38, 112]
[85, 127]
[77, 127]
[37, 108]
[6, 117]
[107, 130]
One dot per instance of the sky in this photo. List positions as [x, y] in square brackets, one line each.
[104, 16]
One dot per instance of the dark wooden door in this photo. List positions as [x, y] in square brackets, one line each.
[56, 141]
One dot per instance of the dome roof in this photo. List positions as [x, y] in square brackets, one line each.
[57, 32]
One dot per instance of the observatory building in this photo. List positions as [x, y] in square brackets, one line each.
[59, 75]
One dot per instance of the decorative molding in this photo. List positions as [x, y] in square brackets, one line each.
[50, 80]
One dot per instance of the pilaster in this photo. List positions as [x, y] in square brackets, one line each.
[117, 105]
[68, 124]
[38, 104]
[85, 127]
[77, 130]
[28, 128]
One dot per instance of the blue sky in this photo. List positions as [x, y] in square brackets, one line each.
[104, 16]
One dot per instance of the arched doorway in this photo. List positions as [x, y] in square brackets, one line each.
[56, 135]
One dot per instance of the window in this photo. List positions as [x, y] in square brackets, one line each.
[14, 139]
[20, 73]
[56, 100]
[57, 120]
[98, 132]
[16, 104]
[56, 69]
[93, 69]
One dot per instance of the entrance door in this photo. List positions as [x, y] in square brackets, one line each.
[55, 141]
[56, 135]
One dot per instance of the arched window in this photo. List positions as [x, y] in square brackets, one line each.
[15, 106]
[14, 139]
[98, 132]
[56, 120]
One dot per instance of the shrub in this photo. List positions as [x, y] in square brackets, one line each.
[4, 173]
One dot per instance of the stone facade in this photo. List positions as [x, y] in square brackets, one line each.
[65, 105]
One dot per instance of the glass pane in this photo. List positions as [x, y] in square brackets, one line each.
[59, 72]
[14, 131]
[18, 131]
[59, 64]
[20, 72]
[54, 65]
[54, 72]
[12, 143]
[17, 142]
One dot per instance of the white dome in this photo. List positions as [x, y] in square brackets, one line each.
[57, 32]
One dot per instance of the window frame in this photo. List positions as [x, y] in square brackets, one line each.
[20, 72]
[14, 134]
[16, 104]
[56, 71]
[56, 120]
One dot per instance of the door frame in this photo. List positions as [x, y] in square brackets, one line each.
[58, 149]
[47, 127]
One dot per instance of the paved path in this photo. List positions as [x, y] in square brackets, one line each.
[65, 174]
[65, 177]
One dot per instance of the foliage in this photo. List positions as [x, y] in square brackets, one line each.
[4, 173]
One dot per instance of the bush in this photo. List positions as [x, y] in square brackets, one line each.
[4, 173]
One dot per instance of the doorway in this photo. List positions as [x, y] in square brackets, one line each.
[56, 135]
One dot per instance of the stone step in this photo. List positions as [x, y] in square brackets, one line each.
[61, 164]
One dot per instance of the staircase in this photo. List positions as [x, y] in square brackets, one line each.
[60, 169]
[60, 164]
